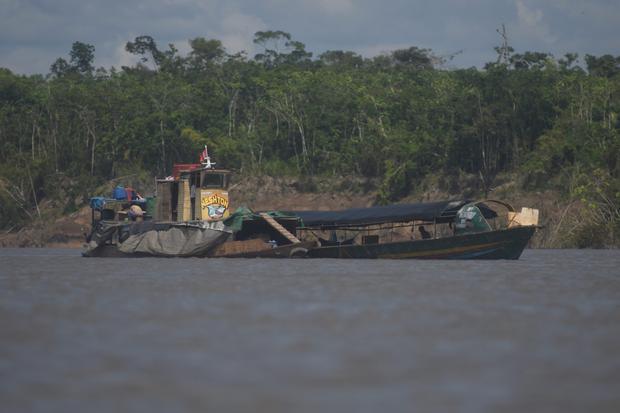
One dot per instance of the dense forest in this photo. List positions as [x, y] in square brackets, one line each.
[395, 119]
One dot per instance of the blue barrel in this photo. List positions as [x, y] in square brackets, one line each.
[119, 193]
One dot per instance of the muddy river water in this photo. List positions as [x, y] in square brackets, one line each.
[541, 334]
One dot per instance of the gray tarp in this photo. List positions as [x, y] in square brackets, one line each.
[178, 241]
[169, 240]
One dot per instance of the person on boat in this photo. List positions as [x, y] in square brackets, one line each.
[135, 213]
[425, 234]
[192, 199]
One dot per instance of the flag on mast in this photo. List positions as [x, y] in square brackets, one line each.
[204, 155]
[205, 160]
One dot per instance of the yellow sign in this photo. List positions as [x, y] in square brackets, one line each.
[214, 205]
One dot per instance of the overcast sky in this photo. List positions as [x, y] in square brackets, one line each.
[33, 33]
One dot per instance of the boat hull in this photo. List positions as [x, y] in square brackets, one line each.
[112, 251]
[298, 250]
[505, 244]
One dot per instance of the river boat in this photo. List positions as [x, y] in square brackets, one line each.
[460, 230]
[190, 217]
[183, 219]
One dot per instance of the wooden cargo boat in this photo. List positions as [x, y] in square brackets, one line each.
[190, 217]
[184, 219]
[461, 230]
[501, 244]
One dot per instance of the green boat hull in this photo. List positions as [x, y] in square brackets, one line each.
[506, 244]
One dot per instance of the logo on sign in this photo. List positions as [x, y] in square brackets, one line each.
[214, 205]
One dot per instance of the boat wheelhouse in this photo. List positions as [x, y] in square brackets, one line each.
[194, 192]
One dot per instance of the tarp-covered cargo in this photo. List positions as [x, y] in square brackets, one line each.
[164, 239]
[442, 211]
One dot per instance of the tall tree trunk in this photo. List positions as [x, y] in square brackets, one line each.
[92, 154]
[231, 113]
[34, 193]
[32, 139]
[163, 144]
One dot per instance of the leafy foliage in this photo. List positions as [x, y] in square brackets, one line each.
[395, 118]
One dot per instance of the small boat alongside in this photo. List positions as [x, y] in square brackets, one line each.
[505, 244]
[461, 230]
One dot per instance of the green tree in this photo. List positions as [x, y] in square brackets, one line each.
[82, 58]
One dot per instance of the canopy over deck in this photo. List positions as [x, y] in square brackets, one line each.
[441, 211]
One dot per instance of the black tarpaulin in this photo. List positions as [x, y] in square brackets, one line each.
[442, 211]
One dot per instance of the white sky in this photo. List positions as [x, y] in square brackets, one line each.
[33, 33]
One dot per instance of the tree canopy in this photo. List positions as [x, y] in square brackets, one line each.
[395, 118]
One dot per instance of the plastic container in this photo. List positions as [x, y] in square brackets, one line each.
[119, 193]
[151, 206]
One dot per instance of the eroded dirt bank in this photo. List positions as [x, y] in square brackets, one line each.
[265, 193]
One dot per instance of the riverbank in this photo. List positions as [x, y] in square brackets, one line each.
[57, 230]
[562, 220]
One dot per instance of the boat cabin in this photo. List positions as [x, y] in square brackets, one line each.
[195, 192]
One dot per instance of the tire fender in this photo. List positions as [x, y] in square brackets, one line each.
[298, 252]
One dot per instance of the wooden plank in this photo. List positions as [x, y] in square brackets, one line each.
[185, 207]
[164, 201]
[240, 247]
[198, 205]
[279, 228]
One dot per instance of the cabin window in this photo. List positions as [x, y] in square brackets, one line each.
[214, 181]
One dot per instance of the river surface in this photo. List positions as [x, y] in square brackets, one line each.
[541, 334]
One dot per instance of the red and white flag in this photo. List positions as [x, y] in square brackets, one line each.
[204, 155]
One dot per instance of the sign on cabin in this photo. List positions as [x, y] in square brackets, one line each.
[214, 204]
